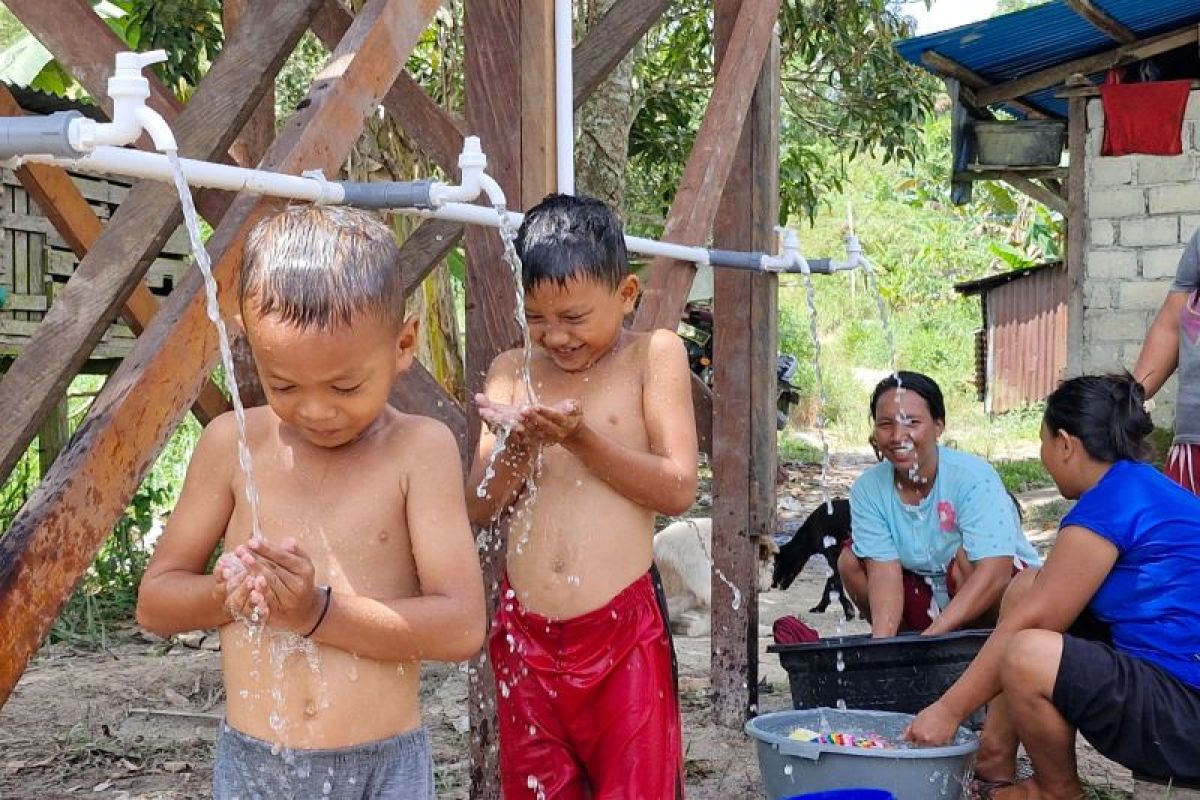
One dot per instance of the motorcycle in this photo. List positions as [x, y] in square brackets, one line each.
[696, 327]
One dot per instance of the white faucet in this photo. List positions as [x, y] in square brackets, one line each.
[129, 91]
[471, 163]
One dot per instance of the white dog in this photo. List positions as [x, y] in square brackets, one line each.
[683, 553]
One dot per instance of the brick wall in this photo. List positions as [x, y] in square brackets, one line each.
[1141, 210]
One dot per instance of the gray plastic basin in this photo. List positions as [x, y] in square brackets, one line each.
[919, 773]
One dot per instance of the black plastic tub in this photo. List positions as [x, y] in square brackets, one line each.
[902, 674]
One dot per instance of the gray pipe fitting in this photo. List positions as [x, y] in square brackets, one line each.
[396, 194]
[38, 135]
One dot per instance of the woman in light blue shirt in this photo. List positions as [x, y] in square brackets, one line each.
[936, 538]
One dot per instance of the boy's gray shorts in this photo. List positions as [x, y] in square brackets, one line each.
[399, 768]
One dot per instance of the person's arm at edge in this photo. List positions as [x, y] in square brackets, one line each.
[1159, 356]
[1074, 570]
[176, 594]
[663, 479]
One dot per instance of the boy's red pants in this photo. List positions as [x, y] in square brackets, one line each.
[588, 706]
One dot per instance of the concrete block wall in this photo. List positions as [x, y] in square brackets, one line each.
[1141, 211]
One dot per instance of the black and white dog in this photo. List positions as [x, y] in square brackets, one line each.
[823, 533]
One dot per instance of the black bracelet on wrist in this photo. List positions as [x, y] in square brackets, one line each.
[324, 611]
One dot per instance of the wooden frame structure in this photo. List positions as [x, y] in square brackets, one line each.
[727, 192]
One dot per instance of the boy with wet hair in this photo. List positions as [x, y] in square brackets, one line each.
[587, 702]
[367, 567]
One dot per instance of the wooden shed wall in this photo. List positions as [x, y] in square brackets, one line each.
[35, 262]
[1026, 338]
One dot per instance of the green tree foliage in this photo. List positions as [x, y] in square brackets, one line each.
[845, 91]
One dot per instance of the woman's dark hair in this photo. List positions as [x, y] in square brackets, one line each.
[922, 385]
[1106, 413]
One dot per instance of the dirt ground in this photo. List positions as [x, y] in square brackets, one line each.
[138, 720]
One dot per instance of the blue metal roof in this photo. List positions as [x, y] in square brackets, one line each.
[1009, 46]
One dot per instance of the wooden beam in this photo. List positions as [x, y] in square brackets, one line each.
[494, 82]
[744, 392]
[1037, 192]
[118, 259]
[610, 40]
[84, 44]
[539, 164]
[252, 143]
[948, 68]
[1102, 21]
[56, 534]
[1053, 76]
[1077, 225]
[70, 214]
[695, 205]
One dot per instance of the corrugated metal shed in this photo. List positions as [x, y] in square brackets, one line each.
[1021, 351]
[1012, 45]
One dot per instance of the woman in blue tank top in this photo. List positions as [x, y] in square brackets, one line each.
[1105, 637]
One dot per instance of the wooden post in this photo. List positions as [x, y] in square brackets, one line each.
[52, 436]
[57, 533]
[510, 90]
[1077, 226]
[744, 392]
[63, 204]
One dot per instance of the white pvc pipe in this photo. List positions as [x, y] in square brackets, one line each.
[483, 215]
[141, 164]
[564, 97]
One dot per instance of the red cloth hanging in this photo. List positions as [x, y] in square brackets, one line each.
[1143, 117]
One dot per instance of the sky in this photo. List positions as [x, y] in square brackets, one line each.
[947, 13]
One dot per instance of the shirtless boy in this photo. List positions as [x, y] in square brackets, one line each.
[580, 646]
[367, 567]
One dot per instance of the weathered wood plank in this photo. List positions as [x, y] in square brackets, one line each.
[539, 164]
[414, 393]
[435, 131]
[1076, 220]
[695, 205]
[972, 81]
[117, 259]
[745, 346]
[610, 40]
[56, 534]
[1102, 21]
[493, 70]
[1038, 192]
